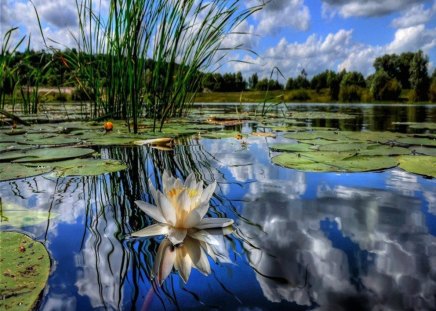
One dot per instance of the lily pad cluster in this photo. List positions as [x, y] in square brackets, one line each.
[345, 151]
[25, 267]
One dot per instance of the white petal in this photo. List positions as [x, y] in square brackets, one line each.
[203, 235]
[151, 210]
[199, 187]
[152, 191]
[207, 193]
[167, 208]
[190, 181]
[195, 216]
[164, 261]
[156, 229]
[184, 201]
[176, 235]
[217, 252]
[198, 256]
[210, 223]
[183, 263]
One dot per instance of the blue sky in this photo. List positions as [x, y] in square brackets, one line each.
[288, 34]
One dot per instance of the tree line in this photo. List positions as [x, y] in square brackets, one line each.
[393, 73]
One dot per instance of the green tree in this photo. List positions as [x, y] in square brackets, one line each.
[252, 81]
[432, 91]
[290, 84]
[419, 79]
[319, 81]
[351, 87]
[383, 87]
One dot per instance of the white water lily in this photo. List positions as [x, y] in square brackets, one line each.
[190, 254]
[180, 207]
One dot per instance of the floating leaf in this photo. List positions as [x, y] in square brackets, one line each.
[85, 167]
[25, 267]
[292, 147]
[49, 139]
[333, 162]
[423, 150]
[326, 135]
[320, 115]
[16, 171]
[19, 217]
[423, 165]
[53, 154]
[384, 150]
[417, 141]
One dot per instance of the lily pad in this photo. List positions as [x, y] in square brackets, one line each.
[326, 135]
[53, 154]
[292, 147]
[10, 171]
[85, 167]
[423, 165]
[19, 217]
[333, 162]
[320, 115]
[25, 267]
[48, 139]
[423, 150]
[417, 141]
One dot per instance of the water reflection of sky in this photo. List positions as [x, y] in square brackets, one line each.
[322, 241]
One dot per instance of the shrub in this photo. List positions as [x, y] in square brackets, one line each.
[300, 95]
[384, 87]
[432, 91]
[350, 93]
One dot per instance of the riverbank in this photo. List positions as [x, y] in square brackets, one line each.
[66, 94]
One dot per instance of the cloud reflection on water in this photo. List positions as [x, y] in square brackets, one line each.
[297, 261]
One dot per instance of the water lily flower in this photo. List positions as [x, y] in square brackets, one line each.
[179, 208]
[190, 254]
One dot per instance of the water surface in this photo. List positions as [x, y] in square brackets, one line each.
[303, 241]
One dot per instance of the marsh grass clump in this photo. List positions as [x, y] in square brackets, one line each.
[148, 55]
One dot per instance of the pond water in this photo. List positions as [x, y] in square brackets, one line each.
[302, 241]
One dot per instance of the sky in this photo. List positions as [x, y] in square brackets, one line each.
[291, 35]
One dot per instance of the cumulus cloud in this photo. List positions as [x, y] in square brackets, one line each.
[413, 38]
[348, 8]
[314, 55]
[279, 14]
[417, 15]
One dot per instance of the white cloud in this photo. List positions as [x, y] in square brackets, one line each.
[412, 39]
[348, 8]
[243, 37]
[314, 55]
[280, 14]
[415, 16]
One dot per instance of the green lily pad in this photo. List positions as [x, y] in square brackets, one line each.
[417, 141]
[422, 165]
[384, 150]
[320, 115]
[53, 154]
[423, 150]
[25, 267]
[342, 147]
[333, 162]
[19, 217]
[48, 139]
[85, 167]
[291, 147]
[10, 171]
[418, 125]
[311, 135]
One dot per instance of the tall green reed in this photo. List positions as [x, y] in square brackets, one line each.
[147, 56]
[8, 77]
